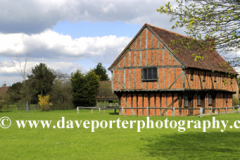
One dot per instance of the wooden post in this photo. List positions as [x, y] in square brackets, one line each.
[226, 110]
[77, 110]
[122, 111]
[238, 109]
[232, 110]
[91, 111]
[99, 110]
[201, 112]
[173, 112]
[218, 111]
[115, 111]
[211, 111]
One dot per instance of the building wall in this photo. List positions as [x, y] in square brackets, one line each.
[171, 100]
[197, 83]
[146, 50]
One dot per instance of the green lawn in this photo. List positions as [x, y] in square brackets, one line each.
[115, 143]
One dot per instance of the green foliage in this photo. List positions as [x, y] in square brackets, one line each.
[101, 71]
[84, 88]
[61, 95]
[93, 81]
[42, 80]
[80, 88]
[214, 24]
[14, 92]
[235, 101]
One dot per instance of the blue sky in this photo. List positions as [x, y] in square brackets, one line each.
[68, 35]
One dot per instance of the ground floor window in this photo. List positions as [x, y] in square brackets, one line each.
[209, 99]
[198, 100]
[185, 101]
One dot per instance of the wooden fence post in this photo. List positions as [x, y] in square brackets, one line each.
[238, 109]
[226, 110]
[173, 112]
[218, 111]
[99, 110]
[77, 110]
[232, 110]
[201, 112]
[91, 111]
[211, 111]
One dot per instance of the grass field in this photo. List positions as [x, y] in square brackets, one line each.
[115, 143]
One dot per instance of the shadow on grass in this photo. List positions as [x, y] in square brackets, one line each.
[114, 113]
[208, 145]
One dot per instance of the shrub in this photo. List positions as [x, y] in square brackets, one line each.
[44, 103]
[235, 102]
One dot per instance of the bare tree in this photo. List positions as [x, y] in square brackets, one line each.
[23, 69]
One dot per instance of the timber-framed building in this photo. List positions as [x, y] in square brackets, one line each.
[148, 73]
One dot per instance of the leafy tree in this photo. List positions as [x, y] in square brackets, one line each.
[61, 94]
[42, 78]
[80, 88]
[214, 24]
[101, 71]
[93, 81]
[14, 92]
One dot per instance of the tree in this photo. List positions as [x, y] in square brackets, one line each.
[93, 81]
[42, 78]
[84, 88]
[80, 88]
[61, 94]
[213, 24]
[14, 92]
[23, 69]
[101, 71]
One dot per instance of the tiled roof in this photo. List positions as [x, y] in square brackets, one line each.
[3, 90]
[184, 54]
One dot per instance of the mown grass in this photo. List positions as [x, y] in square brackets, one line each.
[115, 143]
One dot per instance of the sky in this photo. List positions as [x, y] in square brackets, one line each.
[71, 34]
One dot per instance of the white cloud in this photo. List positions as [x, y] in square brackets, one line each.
[50, 45]
[34, 16]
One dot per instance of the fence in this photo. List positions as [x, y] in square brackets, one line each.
[19, 106]
[149, 111]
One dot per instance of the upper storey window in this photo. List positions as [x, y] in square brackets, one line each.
[192, 71]
[150, 74]
[204, 76]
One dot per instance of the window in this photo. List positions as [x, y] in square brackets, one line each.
[192, 71]
[185, 101]
[204, 76]
[223, 77]
[209, 100]
[215, 77]
[226, 98]
[150, 73]
[198, 100]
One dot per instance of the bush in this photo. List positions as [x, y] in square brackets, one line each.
[44, 103]
[235, 102]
